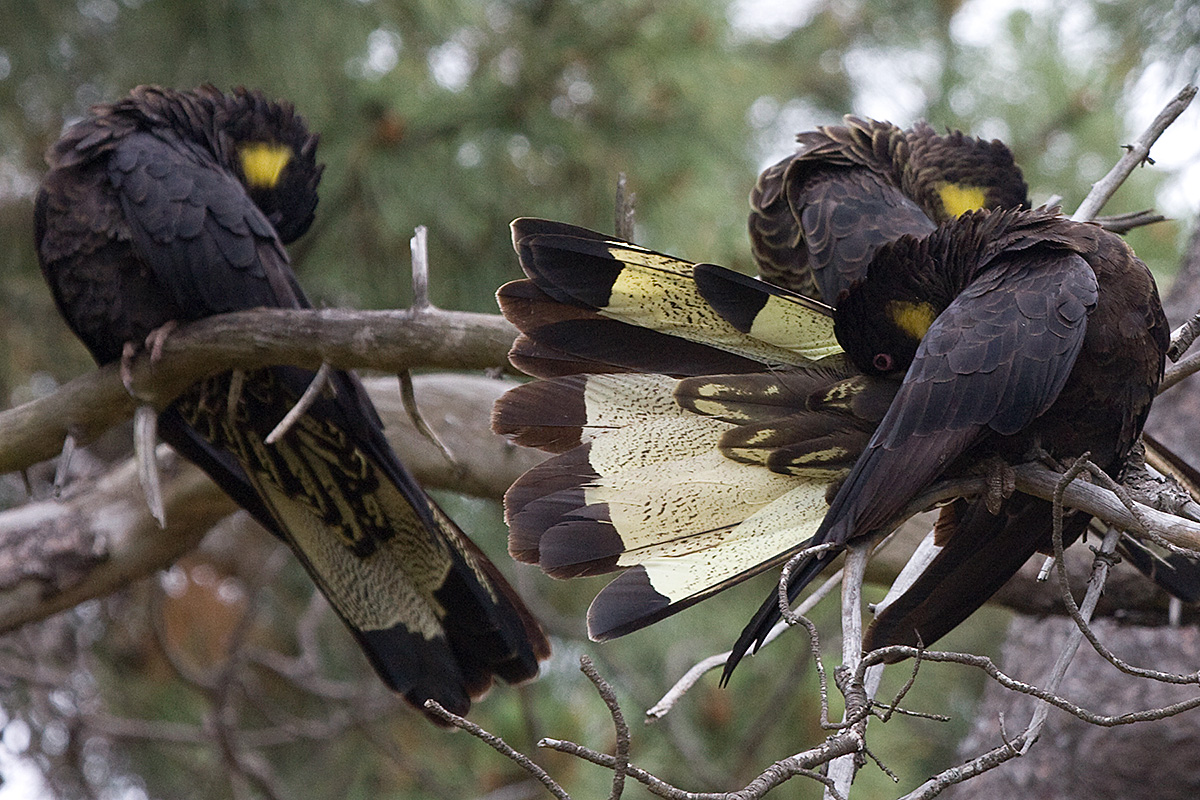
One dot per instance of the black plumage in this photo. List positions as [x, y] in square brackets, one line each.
[1014, 322]
[818, 219]
[168, 206]
[1013, 330]
[818, 216]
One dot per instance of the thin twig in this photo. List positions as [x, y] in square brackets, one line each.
[985, 664]
[895, 704]
[976, 766]
[61, 471]
[624, 214]
[798, 765]
[500, 746]
[693, 675]
[791, 617]
[1091, 598]
[145, 440]
[1082, 614]
[1137, 153]
[419, 247]
[318, 384]
[408, 398]
[621, 751]
[1124, 223]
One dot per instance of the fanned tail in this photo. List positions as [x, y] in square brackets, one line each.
[433, 614]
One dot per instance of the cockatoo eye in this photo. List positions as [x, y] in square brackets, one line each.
[883, 362]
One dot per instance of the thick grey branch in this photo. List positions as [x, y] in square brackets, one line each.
[390, 341]
[101, 535]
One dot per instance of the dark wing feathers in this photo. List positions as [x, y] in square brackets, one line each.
[962, 380]
[960, 391]
[980, 552]
[140, 222]
[846, 215]
[186, 220]
[820, 225]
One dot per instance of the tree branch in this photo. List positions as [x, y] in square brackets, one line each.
[1137, 154]
[390, 341]
[101, 535]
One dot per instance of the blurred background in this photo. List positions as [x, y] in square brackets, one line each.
[460, 115]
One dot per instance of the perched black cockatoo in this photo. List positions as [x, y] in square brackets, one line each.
[1013, 331]
[817, 220]
[168, 206]
[818, 216]
[703, 420]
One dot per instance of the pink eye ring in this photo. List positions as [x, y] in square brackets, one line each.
[883, 362]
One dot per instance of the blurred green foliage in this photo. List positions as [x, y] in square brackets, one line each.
[463, 114]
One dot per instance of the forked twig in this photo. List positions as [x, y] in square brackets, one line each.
[421, 304]
[500, 746]
[620, 764]
[1136, 154]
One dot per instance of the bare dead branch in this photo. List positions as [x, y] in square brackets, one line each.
[1137, 153]
[842, 769]
[621, 751]
[502, 747]
[311, 393]
[390, 341]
